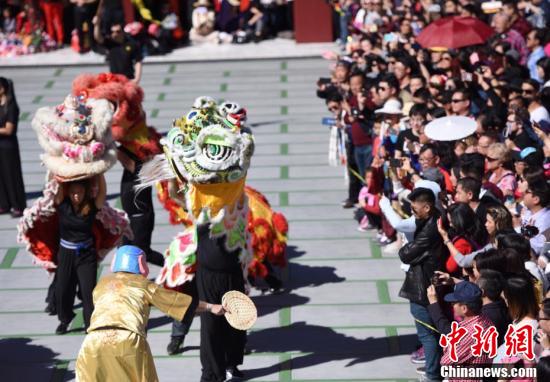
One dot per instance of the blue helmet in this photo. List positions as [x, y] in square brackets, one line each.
[131, 259]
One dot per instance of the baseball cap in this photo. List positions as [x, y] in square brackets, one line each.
[464, 291]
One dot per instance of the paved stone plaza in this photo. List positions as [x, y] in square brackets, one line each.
[340, 319]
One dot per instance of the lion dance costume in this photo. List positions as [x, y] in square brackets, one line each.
[77, 141]
[229, 229]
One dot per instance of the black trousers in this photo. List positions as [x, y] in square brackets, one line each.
[221, 345]
[73, 269]
[12, 189]
[355, 185]
[83, 16]
[181, 328]
[140, 210]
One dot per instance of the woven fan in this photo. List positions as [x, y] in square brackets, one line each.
[241, 311]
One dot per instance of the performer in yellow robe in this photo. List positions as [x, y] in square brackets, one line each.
[116, 347]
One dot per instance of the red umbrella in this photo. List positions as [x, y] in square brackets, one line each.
[455, 32]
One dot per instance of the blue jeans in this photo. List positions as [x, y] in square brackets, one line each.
[429, 340]
[363, 158]
[344, 21]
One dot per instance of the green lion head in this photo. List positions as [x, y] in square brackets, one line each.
[210, 144]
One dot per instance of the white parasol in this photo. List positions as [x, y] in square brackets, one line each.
[450, 128]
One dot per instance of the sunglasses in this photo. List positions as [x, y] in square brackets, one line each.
[528, 91]
[457, 100]
[491, 159]
[333, 109]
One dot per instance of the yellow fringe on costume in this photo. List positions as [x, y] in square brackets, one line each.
[216, 196]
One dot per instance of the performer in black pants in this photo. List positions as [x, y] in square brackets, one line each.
[12, 189]
[181, 328]
[218, 272]
[76, 259]
[138, 206]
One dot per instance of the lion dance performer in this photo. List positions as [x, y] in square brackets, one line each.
[209, 154]
[116, 347]
[137, 143]
[267, 229]
[70, 228]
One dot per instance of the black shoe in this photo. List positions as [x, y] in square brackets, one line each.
[62, 328]
[233, 374]
[174, 345]
[348, 203]
[16, 213]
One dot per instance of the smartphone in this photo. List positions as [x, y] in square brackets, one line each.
[474, 58]
[396, 162]
[467, 77]
[507, 130]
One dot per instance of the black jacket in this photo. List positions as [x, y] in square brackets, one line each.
[497, 312]
[425, 254]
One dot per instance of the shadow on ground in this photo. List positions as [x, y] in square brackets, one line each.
[322, 344]
[21, 360]
[302, 275]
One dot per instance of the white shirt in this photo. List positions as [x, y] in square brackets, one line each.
[541, 220]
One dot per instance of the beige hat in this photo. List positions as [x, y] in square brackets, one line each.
[392, 106]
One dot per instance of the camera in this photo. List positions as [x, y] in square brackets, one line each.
[396, 162]
[355, 112]
[529, 231]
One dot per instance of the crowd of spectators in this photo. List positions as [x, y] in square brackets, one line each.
[31, 26]
[469, 219]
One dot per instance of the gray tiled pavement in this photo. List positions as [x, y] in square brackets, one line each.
[341, 319]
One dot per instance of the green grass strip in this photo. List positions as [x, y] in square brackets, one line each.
[118, 203]
[284, 65]
[59, 371]
[24, 116]
[284, 173]
[284, 128]
[37, 99]
[285, 373]
[284, 94]
[49, 84]
[284, 317]
[155, 113]
[9, 258]
[172, 69]
[78, 320]
[161, 96]
[223, 87]
[375, 250]
[284, 110]
[167, 81]
[227, 73]
[383, 292]
[284, 78]
[58, 72]
[283, 149]
[283, 199]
